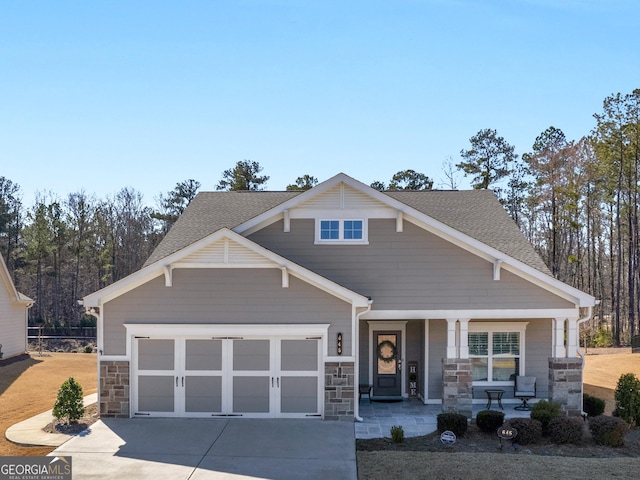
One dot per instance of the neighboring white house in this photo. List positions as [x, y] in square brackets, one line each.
[286, 304]
[13, 316]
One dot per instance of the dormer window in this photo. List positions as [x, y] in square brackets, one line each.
[341, 231]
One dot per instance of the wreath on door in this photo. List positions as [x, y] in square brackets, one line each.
[382, 347]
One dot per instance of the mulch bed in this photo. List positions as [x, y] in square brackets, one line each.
[475, 441]
[90, 416]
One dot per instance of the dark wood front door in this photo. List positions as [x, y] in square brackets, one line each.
[387, 364]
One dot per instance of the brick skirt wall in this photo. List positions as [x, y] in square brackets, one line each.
[114, 389]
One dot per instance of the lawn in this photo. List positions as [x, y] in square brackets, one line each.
[30, 386]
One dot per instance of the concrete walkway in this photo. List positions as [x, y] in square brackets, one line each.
[29, 432]
[415, 418]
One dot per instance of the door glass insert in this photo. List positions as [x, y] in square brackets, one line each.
[387, 354]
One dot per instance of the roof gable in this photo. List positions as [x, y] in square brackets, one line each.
[222, 249]
[473, 220]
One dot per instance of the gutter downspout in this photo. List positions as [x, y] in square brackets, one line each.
[356, 371]
[582, 357]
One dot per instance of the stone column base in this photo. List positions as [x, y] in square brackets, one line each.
[339, 391]
[458, 389]
[565, 384]
[114, 389]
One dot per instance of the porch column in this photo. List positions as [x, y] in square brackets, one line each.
[452, 350]
[464, 337]
[572, 337]
[558, 338]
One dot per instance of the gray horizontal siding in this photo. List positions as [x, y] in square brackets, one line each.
[226, 296]
[437, 351]
[412, 270]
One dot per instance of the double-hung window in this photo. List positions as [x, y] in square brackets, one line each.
[341, 231]
[496, 351]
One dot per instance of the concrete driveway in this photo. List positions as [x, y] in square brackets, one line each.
[153, 448]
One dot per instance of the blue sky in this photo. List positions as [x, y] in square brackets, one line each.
[97, 96]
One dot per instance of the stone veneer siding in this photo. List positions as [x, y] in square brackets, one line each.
[458, 389]
[339, 391]
[114, 389]
[565, 384]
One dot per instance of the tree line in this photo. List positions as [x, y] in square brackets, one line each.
[576, 200]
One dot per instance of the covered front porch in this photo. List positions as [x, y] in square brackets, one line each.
[415, 417]
[448, 364]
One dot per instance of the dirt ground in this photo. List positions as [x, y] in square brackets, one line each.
[477, 456]
[29, 386]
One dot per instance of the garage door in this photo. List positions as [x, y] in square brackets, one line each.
[278, 376]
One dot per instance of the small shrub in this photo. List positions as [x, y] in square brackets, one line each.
[529, 430]
[397, 434]
[627, 397]
[608, 431]
[566, 430]
[592, 406]
[88, 349]
[69, 405]
[544, 411]
[455, 422]
[489, 421]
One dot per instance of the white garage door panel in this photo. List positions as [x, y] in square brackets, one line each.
[299, 394]
[156, 354]
[203, 355]
[203, 377]
[203, 394]
[156, 393]
[251, 395]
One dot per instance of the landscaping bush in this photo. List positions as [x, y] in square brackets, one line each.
[627, 397]
[69, 405]
[608, 430]
[565, 430]
[397, 434]
[592, 406]
[544, 411]
[455, 422]
[88, 349]
[489, 421]
[529, 430]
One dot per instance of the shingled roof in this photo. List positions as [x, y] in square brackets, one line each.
[476, 213]
[208, 212]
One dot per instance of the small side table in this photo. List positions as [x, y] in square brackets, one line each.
[364, 389]
[493, 394]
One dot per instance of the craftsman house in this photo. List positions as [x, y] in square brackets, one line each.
[281, 304]
[13, 316]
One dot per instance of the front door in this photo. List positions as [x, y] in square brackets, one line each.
[387, 364]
